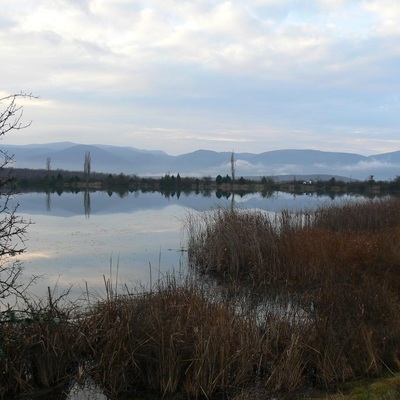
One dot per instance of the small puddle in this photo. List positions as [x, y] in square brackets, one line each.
[88, 391]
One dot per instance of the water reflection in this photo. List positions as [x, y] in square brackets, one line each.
[89, 391]
[86, 391]
[98, 202]
[48, 201]
[128, 233]
[86, 203]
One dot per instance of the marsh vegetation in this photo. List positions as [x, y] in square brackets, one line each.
[273, 305]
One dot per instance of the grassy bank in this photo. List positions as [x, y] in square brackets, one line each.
[386, 387]
[284, 305]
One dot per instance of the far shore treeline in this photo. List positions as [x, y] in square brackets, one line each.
[26, 180]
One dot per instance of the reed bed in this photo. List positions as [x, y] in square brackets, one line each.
[172, 340]
[297, 249]
[340, 265]
[38, 349]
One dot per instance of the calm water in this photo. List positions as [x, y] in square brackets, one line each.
[77, 240]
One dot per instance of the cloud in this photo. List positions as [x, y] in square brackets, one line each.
[370, 165]
[33, 255]
[387, 13]
[222, 72]
[224, 37]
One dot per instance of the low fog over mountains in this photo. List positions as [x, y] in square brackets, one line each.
[129, 160]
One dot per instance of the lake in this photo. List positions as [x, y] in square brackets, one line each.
[78, 239]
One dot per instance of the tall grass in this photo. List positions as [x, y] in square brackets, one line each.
[38, 348]
[297, 248]
[172, 340]
[340, 265]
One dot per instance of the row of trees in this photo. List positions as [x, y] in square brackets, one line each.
[63, 180]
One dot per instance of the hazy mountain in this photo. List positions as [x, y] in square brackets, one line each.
[129, 160]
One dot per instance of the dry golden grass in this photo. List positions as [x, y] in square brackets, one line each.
[39, 350]
[174, 339]
[340, 265]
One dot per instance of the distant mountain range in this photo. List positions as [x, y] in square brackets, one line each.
[129, 160]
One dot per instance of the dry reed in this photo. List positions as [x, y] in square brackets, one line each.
[339, 264]
[172, 340]
[38, 349]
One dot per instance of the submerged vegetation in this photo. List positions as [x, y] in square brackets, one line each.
[284, 305]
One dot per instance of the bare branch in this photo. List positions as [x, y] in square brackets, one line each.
[10, 117]
[12, 227]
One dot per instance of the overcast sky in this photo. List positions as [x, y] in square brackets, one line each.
[176, 75]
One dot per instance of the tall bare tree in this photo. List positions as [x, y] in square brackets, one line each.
[233, 170]
[233, 167]
[48, 164]
[87, 167]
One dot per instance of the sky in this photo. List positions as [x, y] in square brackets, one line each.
[175, 75]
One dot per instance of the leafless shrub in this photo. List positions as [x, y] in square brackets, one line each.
[12, 226]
